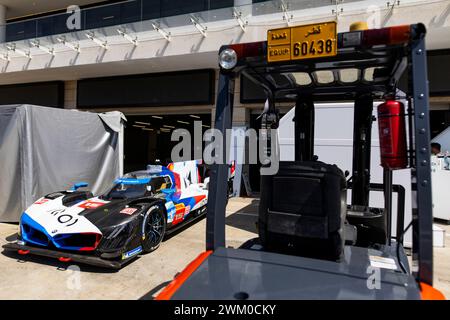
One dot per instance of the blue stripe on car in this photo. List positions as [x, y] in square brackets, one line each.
[28, 237]
[26, 219]
[132, 181]
[131, 253]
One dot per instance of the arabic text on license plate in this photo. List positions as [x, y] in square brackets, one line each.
[302, 42]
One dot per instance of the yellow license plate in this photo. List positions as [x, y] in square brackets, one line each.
[302, 42]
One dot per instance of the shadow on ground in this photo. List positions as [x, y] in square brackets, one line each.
[183, 227]
[150, 295]
[245, 218]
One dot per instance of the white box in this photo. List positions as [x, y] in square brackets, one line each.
[438, 237]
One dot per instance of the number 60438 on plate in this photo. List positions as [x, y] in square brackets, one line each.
[302, 42]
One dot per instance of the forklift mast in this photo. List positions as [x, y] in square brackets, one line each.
[304, 129]
[362, 134]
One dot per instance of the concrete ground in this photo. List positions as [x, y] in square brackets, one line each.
[42, 278]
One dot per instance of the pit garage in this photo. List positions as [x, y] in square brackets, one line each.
[148, 137]
[155, 104]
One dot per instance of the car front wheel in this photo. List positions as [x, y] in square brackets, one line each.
[154, 227]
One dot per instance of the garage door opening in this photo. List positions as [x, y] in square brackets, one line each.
[148, 137]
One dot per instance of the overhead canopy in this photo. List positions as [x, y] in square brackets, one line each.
[333, 78]
[45, 149]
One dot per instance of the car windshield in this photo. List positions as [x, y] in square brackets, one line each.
[127, 191]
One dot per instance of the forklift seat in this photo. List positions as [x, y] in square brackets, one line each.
[303, 209]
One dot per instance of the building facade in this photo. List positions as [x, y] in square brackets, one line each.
[156, 60]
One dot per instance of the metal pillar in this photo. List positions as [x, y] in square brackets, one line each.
[362, 135]
[2, 23]
[218, 186]
[387, 190]
[304, 129]
[401, 194]
[421, 170]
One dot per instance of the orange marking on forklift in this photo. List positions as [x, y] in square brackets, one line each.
[427, 292]
[170, 290]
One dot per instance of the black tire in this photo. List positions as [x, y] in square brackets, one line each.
[154, 228]
[230, 187]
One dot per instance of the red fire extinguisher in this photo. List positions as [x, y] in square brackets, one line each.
[392, 132]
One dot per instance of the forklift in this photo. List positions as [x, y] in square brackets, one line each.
[312, 244]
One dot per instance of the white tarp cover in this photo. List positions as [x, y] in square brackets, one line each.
[43, 150]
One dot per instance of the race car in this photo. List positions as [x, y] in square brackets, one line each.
[111, 229]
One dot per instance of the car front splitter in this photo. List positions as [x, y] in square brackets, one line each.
[65, 256]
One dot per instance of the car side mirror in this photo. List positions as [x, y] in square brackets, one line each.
[79, 185]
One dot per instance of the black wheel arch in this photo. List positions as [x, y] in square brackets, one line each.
[149, 202]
